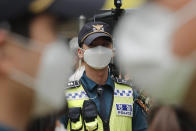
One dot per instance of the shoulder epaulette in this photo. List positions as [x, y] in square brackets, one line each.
[73, 84]
[122, 81]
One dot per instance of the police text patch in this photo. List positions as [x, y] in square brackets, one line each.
[124, 109]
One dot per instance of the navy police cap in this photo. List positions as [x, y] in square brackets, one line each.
[93, 30]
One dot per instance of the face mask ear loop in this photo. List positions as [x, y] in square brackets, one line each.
[80, 63]
[80, 59]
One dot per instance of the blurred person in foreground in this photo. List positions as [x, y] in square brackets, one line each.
[158, 49]
[98, 101]
[34, 61]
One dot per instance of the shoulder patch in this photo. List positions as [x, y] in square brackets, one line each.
[142, 105]
[73, 84]
[144, 101]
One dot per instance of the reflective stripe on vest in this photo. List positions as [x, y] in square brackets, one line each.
[121, 112]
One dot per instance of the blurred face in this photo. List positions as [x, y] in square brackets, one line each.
[23, 54]
[15, 55]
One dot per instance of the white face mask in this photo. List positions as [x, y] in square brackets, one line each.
[98, 57]
[145, 52]
[49, 84]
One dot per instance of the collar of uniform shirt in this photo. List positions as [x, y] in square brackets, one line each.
[91, 84]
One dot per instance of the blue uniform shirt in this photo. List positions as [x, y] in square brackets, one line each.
[139, 122]
[89, 87]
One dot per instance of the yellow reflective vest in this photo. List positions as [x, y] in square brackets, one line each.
[121, 111]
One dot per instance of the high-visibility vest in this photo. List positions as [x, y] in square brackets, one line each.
[121, 111]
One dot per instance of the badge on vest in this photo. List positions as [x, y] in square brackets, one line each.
[124, 110]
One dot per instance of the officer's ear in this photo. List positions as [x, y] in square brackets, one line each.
[80, 53]
[81, 50]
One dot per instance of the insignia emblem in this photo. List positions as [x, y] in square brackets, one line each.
[124, 110]
[98, 28]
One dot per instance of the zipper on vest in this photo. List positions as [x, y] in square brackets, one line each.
[106, 126]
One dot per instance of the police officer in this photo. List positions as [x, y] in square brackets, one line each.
[98, 101]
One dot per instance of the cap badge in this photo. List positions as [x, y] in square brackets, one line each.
[98, 28]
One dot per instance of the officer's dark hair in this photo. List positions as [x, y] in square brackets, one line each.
[80, 44]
